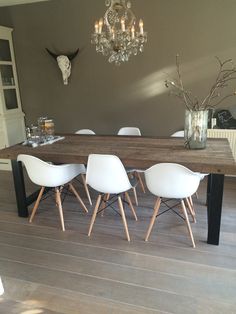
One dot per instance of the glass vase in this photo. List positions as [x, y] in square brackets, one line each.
[195, 131]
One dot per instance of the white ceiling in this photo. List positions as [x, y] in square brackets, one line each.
[4, 3]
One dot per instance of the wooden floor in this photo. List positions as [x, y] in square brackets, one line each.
[47, 271]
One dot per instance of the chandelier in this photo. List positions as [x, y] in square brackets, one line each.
[115, 35]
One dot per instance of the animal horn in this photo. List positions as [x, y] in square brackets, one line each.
[73, 55]
[52, 54]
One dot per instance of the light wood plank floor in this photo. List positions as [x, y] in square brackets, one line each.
[47, 271]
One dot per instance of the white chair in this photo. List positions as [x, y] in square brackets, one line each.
[85, 131]
[129, 131]
[171, 181]
[201, 175]
[53, 176]
[133, 131]
[107, 175]
[1, 287]
[178, 134]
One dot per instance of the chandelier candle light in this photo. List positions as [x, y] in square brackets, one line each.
[115, 34]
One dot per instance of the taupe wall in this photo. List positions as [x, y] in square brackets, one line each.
[101, 96]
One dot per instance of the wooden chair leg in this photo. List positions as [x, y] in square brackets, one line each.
[86, 189]
[58, 200]
[123, 218]
[105, 199]
[36, 205]
[187, 222]
[135, 195]
[78, 197]
[141, 182]
[94, 214]
[156, 209]
[191, 200]
[131, 205]
[191, 210]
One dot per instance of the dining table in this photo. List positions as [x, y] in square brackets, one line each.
[140, 152]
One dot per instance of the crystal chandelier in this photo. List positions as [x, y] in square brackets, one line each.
[115, 34]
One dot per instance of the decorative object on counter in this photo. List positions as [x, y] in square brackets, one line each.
[115, 34]
[41, 134]
[49, 129]
[41, 125]
[196, 117]
[64, 63]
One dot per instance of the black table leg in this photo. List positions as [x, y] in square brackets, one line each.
[215, 189]
[19, 184]
[22, 200]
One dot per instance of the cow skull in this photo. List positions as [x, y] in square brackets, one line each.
[64, 63]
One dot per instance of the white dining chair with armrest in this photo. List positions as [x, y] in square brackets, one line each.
[53, 176]
[128, 130]
[181, 134]
[178, 134]
[171, 181]
[86, 132]
[1, 287]
[107, 175]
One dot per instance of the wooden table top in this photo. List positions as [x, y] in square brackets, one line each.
[134, 151]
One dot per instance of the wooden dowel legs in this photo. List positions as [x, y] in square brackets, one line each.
[78, 197]
[156, 208]
[58, 200]
[131, 205]
[86, 188]
[140, 181]
[123, 218]
[135, 195]
[187, 222]
[94, 214]
[36, 205]
[191, 210]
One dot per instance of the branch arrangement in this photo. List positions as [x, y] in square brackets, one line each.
[226, 73]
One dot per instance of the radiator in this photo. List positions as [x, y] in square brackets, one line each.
[229, 134]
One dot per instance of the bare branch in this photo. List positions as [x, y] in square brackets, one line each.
[222, 99]
[225, 75]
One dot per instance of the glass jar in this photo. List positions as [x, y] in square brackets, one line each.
[195, 131]
[41, 125]
[35, 134]
[49, 129]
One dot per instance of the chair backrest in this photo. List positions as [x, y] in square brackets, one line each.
[171, 180]
[48, 175]
[1, 287]
[106, 174]
[85, 131]
[129, 131]
[178, 134]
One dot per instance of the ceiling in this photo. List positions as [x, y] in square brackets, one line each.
[4, 3]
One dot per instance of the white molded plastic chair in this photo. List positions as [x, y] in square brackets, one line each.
[181, 134]
[107, 175]
[178, 134]
[129, 131]
[53, 176]
[1, 287]
[169, 180]
[85, 131]
[133, 131]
